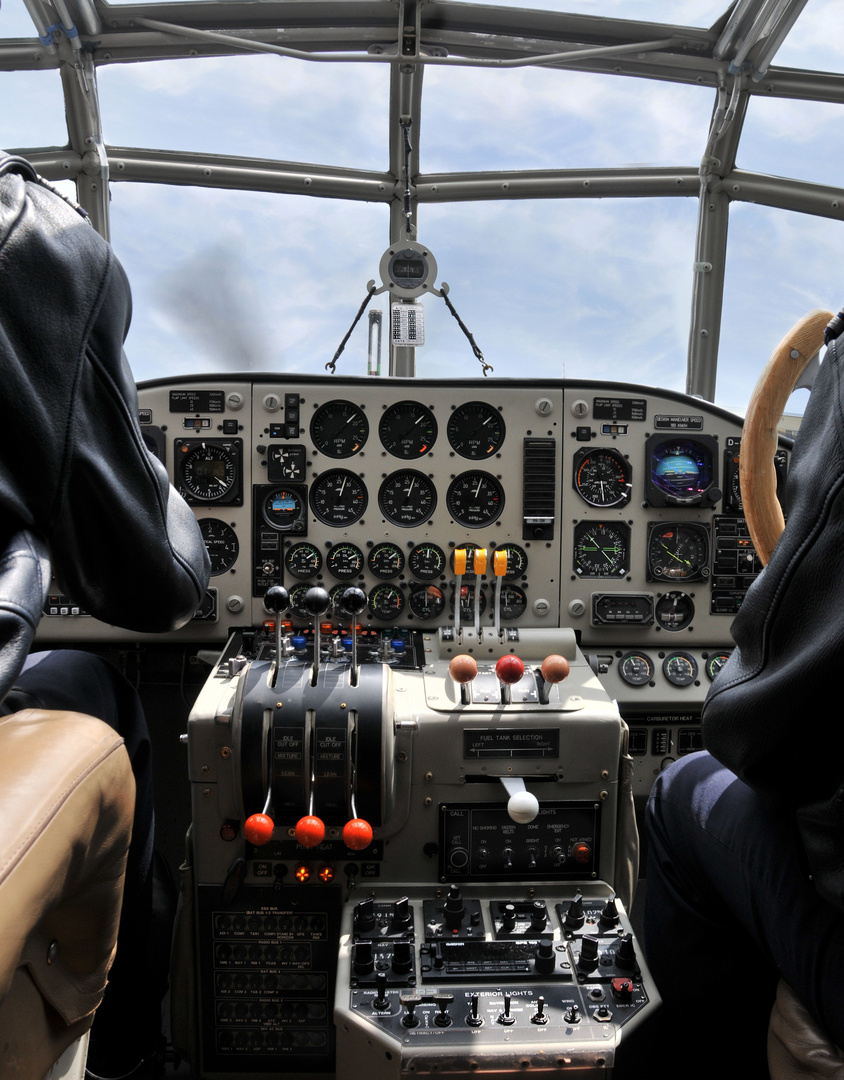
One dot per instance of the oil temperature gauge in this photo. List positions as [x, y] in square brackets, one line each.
[680, 668]
[714, 663]
[386, 602]
[636, 668]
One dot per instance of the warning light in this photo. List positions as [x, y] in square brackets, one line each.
[581, 853]
[326, 875]
[302, 874]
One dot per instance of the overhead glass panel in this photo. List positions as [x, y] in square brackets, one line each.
[537, 118]
[780, 266]
[588, 289]
[793, 139]
[242, 281]
[257, 106]
[816, 41]
[37, 118]
[697, 13]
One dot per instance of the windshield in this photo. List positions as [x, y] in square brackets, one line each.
[648, 202]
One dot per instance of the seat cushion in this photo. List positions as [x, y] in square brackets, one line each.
[66, 802]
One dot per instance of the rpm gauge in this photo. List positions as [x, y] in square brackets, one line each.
[602, 477]
[339, 429]
[407, 498]
[221, 541]
[339, 498]
[407, 429]
[475, 499]
[475, 430]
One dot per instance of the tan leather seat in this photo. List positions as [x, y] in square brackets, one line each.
[798, 1049]
[66, 806]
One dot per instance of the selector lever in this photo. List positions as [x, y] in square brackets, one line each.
[509, 670]
[353, 601]
[463, 669]
[554, 669]
[316, 604]
[276, 600]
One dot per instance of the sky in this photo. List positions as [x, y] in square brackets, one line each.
[577, 288]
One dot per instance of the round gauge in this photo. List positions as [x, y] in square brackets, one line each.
[467, 602]
[674, 611]
[513, 602]
[427, 602]
[407, 498]
[208, 471]
[517, 561]
[339, 429]
[475, 430]
[283, 509]
[385, 560]
[637, 669]
[602, 477]
[386, 602]
[680, 669]
[408, 429]
[335, 600]
[344, 561]
[475, 499]
[677, 551]
[296, 606]
[714, 663]
[470, 558]
[426, 561]
[303, 560]
[681, 470]
[601, 550]
[338, 497]
[221, 541]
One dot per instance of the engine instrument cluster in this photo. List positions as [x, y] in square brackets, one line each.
[611, 509]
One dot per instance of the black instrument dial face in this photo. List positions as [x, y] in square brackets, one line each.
[339, 429]
[674, 611]
[284, 509]
[385, 560]
[517, 561]
[602, 477]
[682, 471]
[303, 560]
[297, 606]
[475, 430]
[475, 499]
[467, 601]
[222, 543]
[601, 550]
[386, 602]
[407, 498]
[680, 669]
[407, 430]
[637, 669]
[513, 602]
[714, 663]
[208, 471]
[678, 551]
[339, 498]
[427, 602]
[344, 561]
[427, 561]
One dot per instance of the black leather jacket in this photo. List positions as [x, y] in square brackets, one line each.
[773, 715]
[77, 485]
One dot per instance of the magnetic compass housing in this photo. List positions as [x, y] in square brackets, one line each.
[408, 269]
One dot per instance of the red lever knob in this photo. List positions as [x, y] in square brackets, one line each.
[357, 834]
[509, 669]
[463, 668]
[310, 831]
[258, 829]
[555, 668]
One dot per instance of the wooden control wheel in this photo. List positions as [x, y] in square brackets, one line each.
[759, 437]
